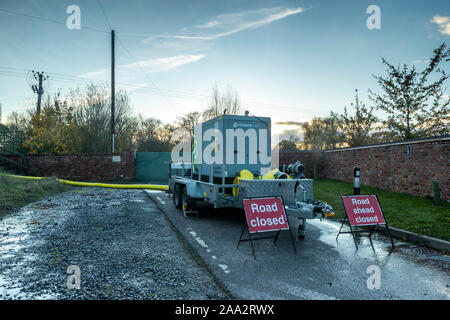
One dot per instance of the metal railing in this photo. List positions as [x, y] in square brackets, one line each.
[12, 152]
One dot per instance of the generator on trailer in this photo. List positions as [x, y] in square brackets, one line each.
[231, 161]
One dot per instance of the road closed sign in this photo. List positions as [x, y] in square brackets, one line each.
[363, 210]
[265, 214]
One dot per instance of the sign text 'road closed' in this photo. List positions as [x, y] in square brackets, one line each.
[363, 210]
[265, 214]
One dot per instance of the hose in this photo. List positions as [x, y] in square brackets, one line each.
[96, 184]
[22, 177]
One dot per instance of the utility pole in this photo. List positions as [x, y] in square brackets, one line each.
[113, 94]
[39, 76]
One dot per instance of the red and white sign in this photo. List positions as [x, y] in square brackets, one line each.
[265, 214]
[363, 210]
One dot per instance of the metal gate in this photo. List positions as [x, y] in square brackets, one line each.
[152, 166]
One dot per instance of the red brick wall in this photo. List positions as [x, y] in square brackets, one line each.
[386, 167]
[83, 167]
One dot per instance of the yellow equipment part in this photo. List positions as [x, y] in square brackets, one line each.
[271, 174]
[243, 174]
[268, 175]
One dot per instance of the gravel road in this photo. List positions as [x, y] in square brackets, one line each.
[123, 246]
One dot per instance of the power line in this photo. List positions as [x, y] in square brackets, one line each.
[11, 68]
[156, 90]
[60, 77]
[104, 13]
[123, 85]
[139, 65]
[49, 20]
[275, 106]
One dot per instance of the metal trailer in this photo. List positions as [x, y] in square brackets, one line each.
[194, 185]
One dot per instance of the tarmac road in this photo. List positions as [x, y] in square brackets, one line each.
[323, 268]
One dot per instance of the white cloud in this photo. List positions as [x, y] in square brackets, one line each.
[443, 23]
[210, 24]
[261, 22]
[149, 66]
[152, 36]
[228, 24]
[164, 64]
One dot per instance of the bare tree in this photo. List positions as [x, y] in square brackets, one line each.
[92, 114]
[152, 135]
[357, 128]
[322, 133]
[188, 121]
[228, 103]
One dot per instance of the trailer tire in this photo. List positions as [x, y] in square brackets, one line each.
[186, 203]
[177, 195]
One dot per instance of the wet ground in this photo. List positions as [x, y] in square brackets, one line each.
[129, 244]
[323, 268]
[122, 244]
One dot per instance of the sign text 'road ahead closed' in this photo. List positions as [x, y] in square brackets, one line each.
[363, 210]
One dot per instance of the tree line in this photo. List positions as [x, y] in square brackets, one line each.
[80, 122]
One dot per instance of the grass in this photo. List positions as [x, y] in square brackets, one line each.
[15, 192]
[415, 214]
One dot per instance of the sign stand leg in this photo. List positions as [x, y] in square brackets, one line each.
[371, 231]
[240, 239]
[345, 219]
[251, 242]
[276, 237]
[389, 234]
[387, 226]
[370, 234]
[351, 231]
[249, 239]
[293, 242]
[353, 234]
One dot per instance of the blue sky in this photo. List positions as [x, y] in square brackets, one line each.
[290, 60]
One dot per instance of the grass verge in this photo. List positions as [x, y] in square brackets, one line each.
[415, 214]
[15, 192]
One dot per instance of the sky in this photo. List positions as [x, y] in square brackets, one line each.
[291, 60]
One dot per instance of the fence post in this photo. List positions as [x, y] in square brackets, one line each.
[437, 195]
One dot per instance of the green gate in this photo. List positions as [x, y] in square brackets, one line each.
[152, 167]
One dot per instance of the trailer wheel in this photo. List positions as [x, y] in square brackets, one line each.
[177, 195]
[186, 203]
